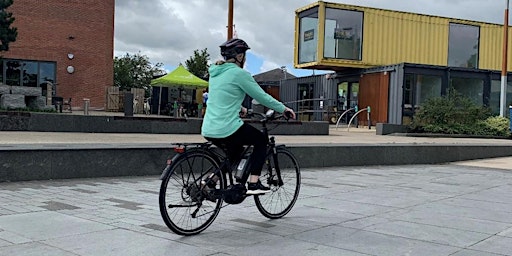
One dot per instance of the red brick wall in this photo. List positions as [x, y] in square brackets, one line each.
[50, 29]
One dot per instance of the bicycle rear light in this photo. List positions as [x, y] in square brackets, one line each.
[179, 150]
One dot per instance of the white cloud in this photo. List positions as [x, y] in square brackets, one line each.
[168, 31]
[268, 65]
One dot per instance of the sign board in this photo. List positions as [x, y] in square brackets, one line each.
[343, 33]
[309, 35]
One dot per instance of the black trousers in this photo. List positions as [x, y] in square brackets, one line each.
[244, 136]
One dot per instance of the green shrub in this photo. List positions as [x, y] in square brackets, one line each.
[497, 125]
[456, 114]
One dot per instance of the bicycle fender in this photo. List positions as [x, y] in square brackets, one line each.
[168, 166]
[281, 146]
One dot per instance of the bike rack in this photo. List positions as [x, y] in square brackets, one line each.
[367, 115]
[339, 119]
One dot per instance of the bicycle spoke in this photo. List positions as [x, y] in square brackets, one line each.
[281, 198]
[182, 201]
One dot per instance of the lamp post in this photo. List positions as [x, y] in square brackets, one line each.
[230, 19]
[283, 68]
[503, 94]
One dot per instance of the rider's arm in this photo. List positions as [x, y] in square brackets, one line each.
[253, 89]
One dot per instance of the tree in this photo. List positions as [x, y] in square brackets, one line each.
[135, 71]
[8, 34]
[198, 64]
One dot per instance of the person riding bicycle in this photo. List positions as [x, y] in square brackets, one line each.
[222, 124]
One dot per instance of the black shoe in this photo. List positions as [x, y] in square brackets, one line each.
[257, 189]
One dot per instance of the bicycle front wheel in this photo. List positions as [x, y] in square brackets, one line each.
[186, 206]
[281, 198]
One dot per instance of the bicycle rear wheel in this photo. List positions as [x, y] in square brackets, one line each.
[184, 203]
[281, 198]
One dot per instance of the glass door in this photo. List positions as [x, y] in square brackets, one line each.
[306, 109]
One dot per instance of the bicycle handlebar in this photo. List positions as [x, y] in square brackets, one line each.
[270, 115]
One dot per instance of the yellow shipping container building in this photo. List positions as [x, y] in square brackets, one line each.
[391, 62]
[376, 37]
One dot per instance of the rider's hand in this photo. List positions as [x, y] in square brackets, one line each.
[243, 112]
[289, 112]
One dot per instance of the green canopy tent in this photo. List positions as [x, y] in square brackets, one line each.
[179, 78]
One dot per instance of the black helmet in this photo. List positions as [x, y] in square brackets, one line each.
[232, 47]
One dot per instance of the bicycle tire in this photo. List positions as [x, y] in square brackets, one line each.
[280, 200]
[180, 188]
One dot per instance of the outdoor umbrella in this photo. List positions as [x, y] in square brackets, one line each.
[179, 78]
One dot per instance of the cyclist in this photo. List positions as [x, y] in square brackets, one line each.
[222, 124]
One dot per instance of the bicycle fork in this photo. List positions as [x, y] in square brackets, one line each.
[275, 167]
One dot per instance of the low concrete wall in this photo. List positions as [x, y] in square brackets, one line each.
[51, 122]
[384, 128]
[68, 161]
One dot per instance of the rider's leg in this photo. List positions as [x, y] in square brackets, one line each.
[248, 135]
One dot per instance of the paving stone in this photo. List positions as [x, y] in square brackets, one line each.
[124, 243]
[13, 237]
[496, 244]
[45, 225]
[33, 249]
[429, 233]
[465, 252]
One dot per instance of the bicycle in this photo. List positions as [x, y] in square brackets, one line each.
[199, 180]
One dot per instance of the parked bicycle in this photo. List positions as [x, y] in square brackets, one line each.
[200, 179]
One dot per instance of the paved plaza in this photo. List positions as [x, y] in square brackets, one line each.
[452, 209]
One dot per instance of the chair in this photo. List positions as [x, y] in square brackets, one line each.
[67, 104]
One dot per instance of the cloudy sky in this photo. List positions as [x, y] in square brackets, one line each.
[168, 31]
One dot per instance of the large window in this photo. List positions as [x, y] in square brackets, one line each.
[463, 46]
[494, 99]
[46, 72]
[308, 35]
[47, 75]
[418, 88]
[27, 73]
[469, 87]
[12, 72]
[343, 34]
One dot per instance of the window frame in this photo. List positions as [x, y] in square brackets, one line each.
[359, 35]
[309, 13]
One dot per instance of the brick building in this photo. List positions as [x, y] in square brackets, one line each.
[69, 43]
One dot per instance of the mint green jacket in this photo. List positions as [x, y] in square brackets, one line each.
[228, 85]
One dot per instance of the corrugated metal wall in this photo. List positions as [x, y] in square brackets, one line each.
[396, 78]
[288, 93]
[322, 87]
[394, 37]
[491, 43]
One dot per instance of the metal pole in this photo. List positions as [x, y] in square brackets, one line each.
[159, 99]
[230, 19]
[503, 94]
